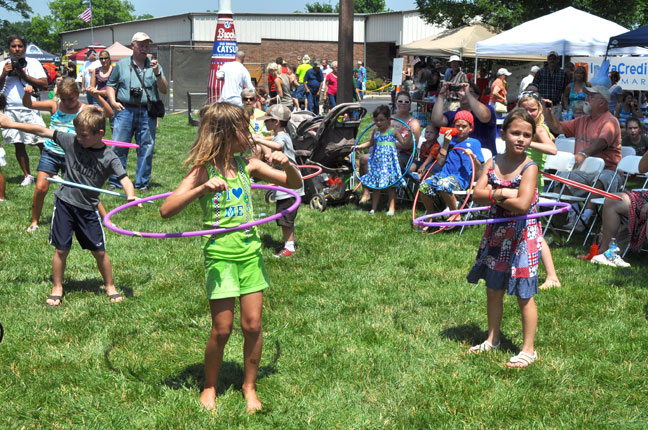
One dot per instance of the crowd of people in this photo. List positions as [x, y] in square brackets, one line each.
[244, 136]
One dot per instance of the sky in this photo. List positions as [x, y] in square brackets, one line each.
[163, 8]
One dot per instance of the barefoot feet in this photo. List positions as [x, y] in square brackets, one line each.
[253, 403]
[208, 398]
[550, 283]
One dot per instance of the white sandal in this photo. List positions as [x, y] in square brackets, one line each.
[523, 358]
[483, 347]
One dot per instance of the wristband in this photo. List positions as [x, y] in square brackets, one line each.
[583, 154]
[490, 196]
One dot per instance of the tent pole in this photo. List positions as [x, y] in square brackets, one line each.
[475, 75]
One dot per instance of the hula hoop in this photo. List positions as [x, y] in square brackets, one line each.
[246, 225]
[310, 166]
[405, 170]
[85, 187]
[468, 192]
[564, 207]
[581, 186]
[121, 144]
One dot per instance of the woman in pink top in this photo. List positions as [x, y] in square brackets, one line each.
[331, 84]
[498, 91]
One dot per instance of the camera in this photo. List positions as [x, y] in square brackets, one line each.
[136, 92]
[17, 65]
[454, 87]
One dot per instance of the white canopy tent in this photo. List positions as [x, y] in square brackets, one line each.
[569, 31]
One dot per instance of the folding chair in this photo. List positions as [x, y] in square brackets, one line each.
[593, 165]
[565, 144]
[627, 150]
[628, 166]
[487, 153]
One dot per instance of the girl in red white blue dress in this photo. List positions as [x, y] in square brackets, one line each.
[383, 168]
[509, 252]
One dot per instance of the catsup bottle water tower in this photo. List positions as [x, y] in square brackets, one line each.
[225, 48]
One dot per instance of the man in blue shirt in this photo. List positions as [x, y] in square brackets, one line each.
[362, 79]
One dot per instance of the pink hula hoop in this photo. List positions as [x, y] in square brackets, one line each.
[581, 186]
[120, 144]
[465, 202]
[310, 166]
[563, 207]
[246, 225]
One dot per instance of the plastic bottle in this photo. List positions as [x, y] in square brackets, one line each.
[613, 250]
[444, 130]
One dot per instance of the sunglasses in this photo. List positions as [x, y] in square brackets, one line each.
[532, 94]
[104, 58]
[249, 99]
[403, 102]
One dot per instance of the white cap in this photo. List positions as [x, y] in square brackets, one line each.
[454, 58]
[535, 69]
[141, 37]
[503, 71]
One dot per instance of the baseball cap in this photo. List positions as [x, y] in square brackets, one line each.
[503, 71]
[466, 116]
[599, 89]
[535, 69]
[454, 58]
[141, 37]
[306, 59]
[554, 53]
[278, 111]
[359, 62]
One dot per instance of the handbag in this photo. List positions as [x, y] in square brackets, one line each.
[155, 108]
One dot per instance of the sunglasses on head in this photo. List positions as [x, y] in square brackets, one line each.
[533, 94]
[403, 102]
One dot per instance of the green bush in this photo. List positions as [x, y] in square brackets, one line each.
[371, 85]
[379, 82]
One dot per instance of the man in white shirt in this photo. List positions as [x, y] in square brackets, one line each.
[528, 79]
[15, 73]
[90, 64]
[236, 78]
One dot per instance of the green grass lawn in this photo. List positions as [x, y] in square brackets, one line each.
[367, 327]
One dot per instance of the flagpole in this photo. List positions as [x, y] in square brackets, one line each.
[91, 24]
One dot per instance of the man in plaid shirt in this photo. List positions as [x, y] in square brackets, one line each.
[551, 80]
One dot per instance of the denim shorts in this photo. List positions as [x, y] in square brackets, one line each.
[51, 163]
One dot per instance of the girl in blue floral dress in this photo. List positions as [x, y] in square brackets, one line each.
[383, 168]
[509, 252]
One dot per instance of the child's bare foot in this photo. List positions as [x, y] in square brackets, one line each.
[253, 403]
[208, 398]
[550, 283]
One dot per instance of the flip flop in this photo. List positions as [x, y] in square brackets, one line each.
[54, 298]
[32, 228]
[113, 298]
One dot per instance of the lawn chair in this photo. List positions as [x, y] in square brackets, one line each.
[488, 154]
[628, 166]
[590, 165]
[627, 151]
[565, 144]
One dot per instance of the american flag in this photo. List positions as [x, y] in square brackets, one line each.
[86, 15]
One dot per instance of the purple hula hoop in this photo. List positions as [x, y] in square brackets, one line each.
[563, 207]
[116, 229]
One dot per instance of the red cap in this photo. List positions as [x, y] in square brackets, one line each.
[466, 116]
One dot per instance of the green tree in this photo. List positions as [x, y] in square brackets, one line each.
[19, 6]
[39, 33]
[504, 14]
[359, 6]
[9, 28]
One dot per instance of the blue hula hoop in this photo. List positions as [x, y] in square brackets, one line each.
[405, 170]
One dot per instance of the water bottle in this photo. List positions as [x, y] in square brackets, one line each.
[613, 250]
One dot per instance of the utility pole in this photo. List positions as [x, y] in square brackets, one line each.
[345, 53]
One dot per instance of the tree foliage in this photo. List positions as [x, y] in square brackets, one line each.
[19, 6]
[359, 6]
[9, 28]
[504, 14]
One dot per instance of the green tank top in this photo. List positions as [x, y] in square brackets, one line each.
[540, 158]
[229, 209]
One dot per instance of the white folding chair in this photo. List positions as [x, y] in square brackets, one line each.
[500, 145]
[627, 151]
[561, 162]
[591, 165]
[565, 144]
[628, 166]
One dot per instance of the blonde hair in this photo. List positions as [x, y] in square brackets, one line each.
[539, 120]
[91, 118]
[272, 67]
[67, 87]
[221, 125]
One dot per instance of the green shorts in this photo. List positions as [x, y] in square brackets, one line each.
[225, 278]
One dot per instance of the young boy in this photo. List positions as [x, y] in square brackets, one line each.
[276, 120]
[87, 162]
[456, 168]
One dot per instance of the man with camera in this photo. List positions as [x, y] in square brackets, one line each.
[133, 90]
[15, 73]
[485, 129]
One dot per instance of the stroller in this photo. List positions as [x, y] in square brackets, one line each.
[326, 142]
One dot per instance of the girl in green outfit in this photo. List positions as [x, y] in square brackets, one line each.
[234, 267]
[541, 145]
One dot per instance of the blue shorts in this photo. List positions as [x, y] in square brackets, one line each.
[437, 183]
[51, 162]
[68, 220]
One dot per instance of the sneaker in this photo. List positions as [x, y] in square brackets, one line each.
[112, 187]
[580, 226]
[57, 178]
[614, 262]
[415, 176]
[29, 179]
[284, 253]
